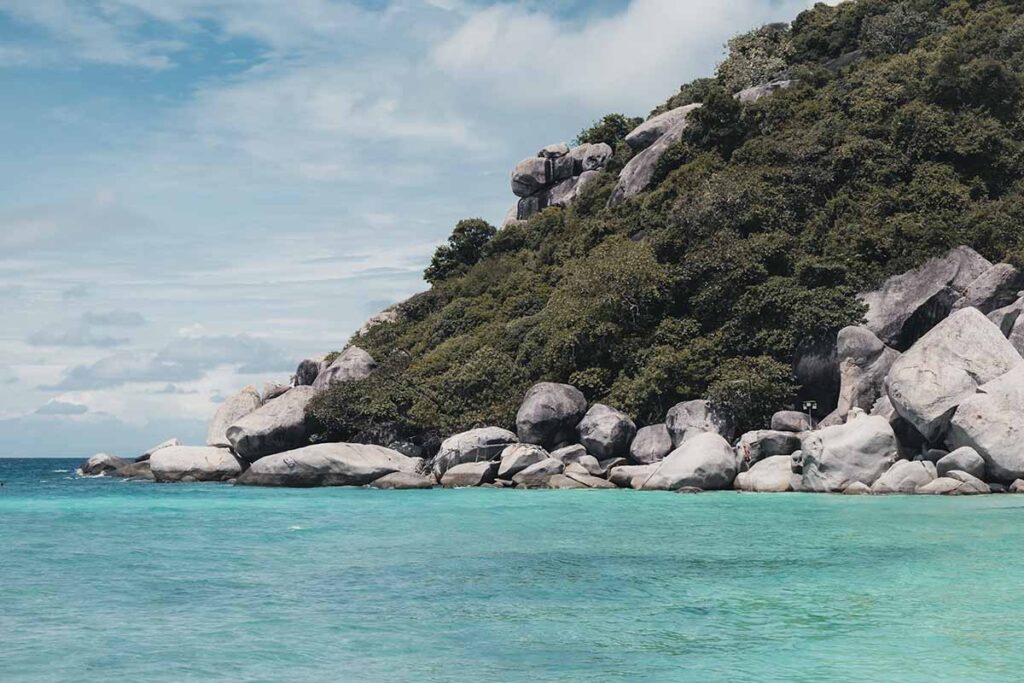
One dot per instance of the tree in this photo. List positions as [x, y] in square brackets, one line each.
[464, 249]
[612, 129]
[757, 57]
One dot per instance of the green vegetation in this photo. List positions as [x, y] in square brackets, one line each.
[760, 228]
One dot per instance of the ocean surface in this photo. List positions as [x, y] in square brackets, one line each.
[109, 580]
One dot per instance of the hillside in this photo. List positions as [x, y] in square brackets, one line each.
[897, 137]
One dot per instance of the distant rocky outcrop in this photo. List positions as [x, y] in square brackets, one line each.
[555, 177]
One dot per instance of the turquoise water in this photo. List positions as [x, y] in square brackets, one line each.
[107, 580]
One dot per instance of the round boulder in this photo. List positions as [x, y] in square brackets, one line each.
[476, 445]
[195, 463]
[606, 432]
[651, 444]
[705, 461]
[690, 418]
[549, 414]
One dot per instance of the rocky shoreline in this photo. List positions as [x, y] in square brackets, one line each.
[930, 401]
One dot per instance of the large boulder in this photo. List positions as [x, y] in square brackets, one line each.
[606, 432]
[636, 176]
[690, 418]
[309, 369]
[150, 451]
[648, 132]
[835, 457]
[651, 445]
[537, 475]
[327, 464]
[272, 390]
[549, 414]
[351, 365]
[964, 459]
[279, 425]
[590, 157]
[519, 456]
[905, 476]
[1010, 322]
[755, 93]
[864, 363]
[231, 411]
[705, 461]
[992, 423]
[569, 454]
[101, 463]
[945, 367]
[754, 447]
[141, 470]
[996, 288]
[907, 306]
[771, 475]
[909, 439]
[632, 476]
[560, 194]
[955, 483]
[532, 175]
[476, 445]
[195, 463]
[469, 474]
[559, 149]
[792, 421]
[588, 480]
[404, 481]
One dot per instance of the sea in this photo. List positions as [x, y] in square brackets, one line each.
[110, 580]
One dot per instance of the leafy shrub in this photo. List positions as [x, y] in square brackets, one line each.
[464, 249]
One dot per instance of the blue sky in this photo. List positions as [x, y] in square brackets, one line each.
[195, 194]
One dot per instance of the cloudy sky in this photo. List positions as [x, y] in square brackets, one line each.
[195, 194]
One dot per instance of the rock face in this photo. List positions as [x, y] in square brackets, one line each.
[353, 364]
[278, 426]
[636, 176]
[751, 95]
[308, 370]
[771, 475]
[476, 445]
[191, 463]
[403, 481]
[626, 475]
[704, 461]
[272, 390]
[589, 480]
[517, 457]
[606, 432]
[569, 454]
[835, 457]
[102, 463]
[945, 367]
[857, 488]
[561, 194]
[651, 445]
[549, 414]
[995, 288]
[756, 446]
[905, 477]
[469, 474]
[231, 411]
[964, 459]
[690, 418]
[992, 423]
[648, 132]
[590, 157]
[537, 475]
[555, 177]
[864, 363]
[327, 464]
[792, 421]
[909, 305]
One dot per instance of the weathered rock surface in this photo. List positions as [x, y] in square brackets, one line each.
[353, 364]
[590, 157]
[150, 451]
[964, 459]
[469, 474]
[101, 463]
[517, 457]
[327, 464]
[561, 481]
[277, 426]
[625, 475]
[955, 483]
[309, 369]
[476, 445]
[909, 305]
[569, 454]
[705, 461]
[751, 95]
[589, 480]
[648, 132]
[554, 151]
[195, 463]
[754, 447]
[945, 367]
[606, 432]
[864, 363]
[141, 470]
[549, 414]
[533, 175]
[905, 476]
[792, 421]
[857, 488]
[992, 423]
[771, 475]
[231, 411]
[636, 176]
[537, 475]
[272, 390]
[910, 440]
[835, 457]
[651, 445]
[404, 481]
[995, 288]
[691, 418]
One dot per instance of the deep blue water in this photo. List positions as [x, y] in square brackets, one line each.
[107, 580]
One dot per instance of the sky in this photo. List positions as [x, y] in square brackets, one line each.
[197, 194]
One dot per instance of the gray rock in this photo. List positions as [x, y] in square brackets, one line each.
[530, 176]
[150, 451]
[549, 414]
[835, 457]
[309, 369]
[403, 481]
[651, 445]
[995, 288]
[327, 464]
[588, 464]
[933, 455]
[231, 411]
[141, 470]
[636, 176]
[771, 475]
[590, 157]
[1017, 486]
[606, 432]
[589, 480]
[864, 363]
[101, 463]
[705, 461]
[512, 217]
[905, 476]
[537, 475]
[278, 426]
[272, 390]
[624, 476]
[909, 305]
[554, 151]
[569, 454]
[690, 418]
[754, 447]
[651, 130]
[517, 457]
[945, 367]
[792, 421]
[992, 423]
[561, 194]
[964, 459]
[469, 474]
[1006, 318]
[910, 440]
[973, 483]
[607, 465]
[476, 445]
[561, 481]
[195, 463]
[857, 488]
[352, 365]
[391, 314]
[751, 95]
[960, 485]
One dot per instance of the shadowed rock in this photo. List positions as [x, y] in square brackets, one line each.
[278, 426]
[651, 444]
[549, 414]
[517, 457]
[476, 445]
[992, 423]
[636, 176]
[606, 432]
[231, 411]
[835, 457]
[691, 418]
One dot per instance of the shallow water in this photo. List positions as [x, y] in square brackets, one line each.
[104, 580]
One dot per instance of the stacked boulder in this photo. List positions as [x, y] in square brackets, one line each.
[555, 176]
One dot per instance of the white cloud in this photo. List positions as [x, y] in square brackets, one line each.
[62, 408]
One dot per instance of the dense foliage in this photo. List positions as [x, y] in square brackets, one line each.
[901, 139]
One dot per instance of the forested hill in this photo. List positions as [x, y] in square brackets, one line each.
[898, 137]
